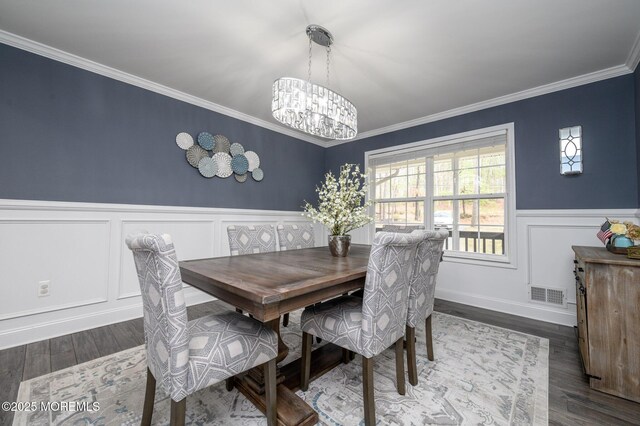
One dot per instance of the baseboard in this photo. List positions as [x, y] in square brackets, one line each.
[526, 310]
[42, 331]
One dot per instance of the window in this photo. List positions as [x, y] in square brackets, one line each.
[462, 183]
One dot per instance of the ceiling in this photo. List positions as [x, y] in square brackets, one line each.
[398, 62]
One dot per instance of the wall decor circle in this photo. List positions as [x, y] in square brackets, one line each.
[195, 154]
[223, 161]
[257, 174]
[239, 164]
[254, 160]
[236, 149]
[207, 167]
[205, 140]
[222, 144]
[184, 140]
[241, 178]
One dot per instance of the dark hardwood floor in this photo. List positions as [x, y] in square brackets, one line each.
[571, 401]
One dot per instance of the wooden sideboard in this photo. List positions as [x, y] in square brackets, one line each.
[608, 308]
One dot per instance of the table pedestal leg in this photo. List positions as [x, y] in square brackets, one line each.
[292, 410]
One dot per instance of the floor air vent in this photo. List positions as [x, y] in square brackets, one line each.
[550, 296]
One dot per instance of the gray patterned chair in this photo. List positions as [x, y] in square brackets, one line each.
[250, 239]
[422, 292]
[293, 237]
[401, 228]
[186, 356]
[371, 324]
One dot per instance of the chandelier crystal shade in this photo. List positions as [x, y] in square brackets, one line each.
[312, 108]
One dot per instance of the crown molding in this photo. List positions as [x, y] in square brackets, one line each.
[95, 67]
[98, 68]
[634, 55]
[525, 94]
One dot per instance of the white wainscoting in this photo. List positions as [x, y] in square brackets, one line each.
[80, 248]
[544, 258]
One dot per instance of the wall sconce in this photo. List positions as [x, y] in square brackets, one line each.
[571, 150]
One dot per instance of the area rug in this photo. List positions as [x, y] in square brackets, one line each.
[482, 375]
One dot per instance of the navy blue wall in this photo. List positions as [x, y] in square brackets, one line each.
[604, 109]
[71, 135]
[637, 99]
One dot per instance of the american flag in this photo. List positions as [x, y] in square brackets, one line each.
[605, 232]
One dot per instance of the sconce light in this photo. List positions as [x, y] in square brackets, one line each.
[571, 150]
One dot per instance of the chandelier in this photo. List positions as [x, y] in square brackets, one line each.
[312, 108]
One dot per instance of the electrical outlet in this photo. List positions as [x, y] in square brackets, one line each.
[43, 288]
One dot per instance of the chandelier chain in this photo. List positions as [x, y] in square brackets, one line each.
[309, 70]
[328, 63]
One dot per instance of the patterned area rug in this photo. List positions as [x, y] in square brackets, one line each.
[482, 375]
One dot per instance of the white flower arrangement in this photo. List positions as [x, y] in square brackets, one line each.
[340, 201]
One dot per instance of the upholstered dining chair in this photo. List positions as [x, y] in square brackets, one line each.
[401, 228]
[371, 324]
[251, 239]
[186, 356]
[422, 292]
[294, 237]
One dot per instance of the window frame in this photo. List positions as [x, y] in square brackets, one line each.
[508, 260]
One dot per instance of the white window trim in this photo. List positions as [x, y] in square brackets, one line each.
[509, 260]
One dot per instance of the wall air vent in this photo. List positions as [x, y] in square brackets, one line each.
[548, 296]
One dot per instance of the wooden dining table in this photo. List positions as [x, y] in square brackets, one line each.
[268, 285]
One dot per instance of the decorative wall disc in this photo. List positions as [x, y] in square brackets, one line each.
[222, 144]
[195, 154]
[257, 174]
[254, 160]
[184, 140]
[223, 161]
[205, 140]
[236, 149]
[207, 167]
[241, 178]
[239, 164]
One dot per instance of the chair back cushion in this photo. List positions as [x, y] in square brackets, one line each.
[250, 239]
[425, 273]
[386, 291]
[293, 237]
[401, 228]
[165, 312]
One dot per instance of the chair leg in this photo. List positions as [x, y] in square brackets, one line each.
[149, 397]
[318, 340]
[270, 392]
[346, 357]
[285, 320]
[178, 412]
[229, 384]
[400, 385]
[411, 355]
[305, 370]
[367, 387]
[429, 338]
